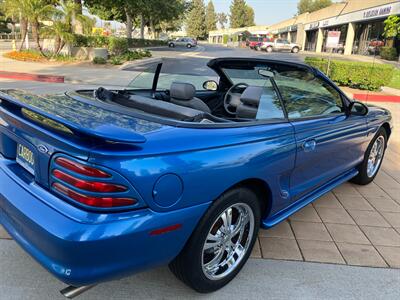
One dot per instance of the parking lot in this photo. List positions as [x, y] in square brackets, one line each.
[318, 250]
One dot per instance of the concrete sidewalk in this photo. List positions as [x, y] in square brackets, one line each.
[22, 278]
[97, 75]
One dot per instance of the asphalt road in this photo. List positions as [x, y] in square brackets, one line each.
[22, 278]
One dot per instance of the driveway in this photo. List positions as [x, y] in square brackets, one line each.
[344, 245]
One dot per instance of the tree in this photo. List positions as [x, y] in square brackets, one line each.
[222, 19]
[63, 22]
[211, 17]
[250, 16]
[13, 10]
[241, 14]
[132, 13]
[392, 29]
[117, 10]
[196, 19]
[311, 5]
[30, 12]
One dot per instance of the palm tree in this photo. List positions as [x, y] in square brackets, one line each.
[13, 9]
[36, 11]
[59, 30]
[63, 21]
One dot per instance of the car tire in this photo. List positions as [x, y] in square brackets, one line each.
[370, 165]
[171, 45]
[295, 50]
[189, 46]
[269, 49]
[190, 266]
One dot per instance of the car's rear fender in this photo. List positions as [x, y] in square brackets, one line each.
[177, 171]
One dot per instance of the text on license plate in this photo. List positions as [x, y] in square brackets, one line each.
[26, 158]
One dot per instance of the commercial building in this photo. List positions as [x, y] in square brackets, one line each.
[360, 23]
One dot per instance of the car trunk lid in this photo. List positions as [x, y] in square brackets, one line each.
[44, 125]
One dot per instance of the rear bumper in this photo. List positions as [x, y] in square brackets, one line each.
[82, 248]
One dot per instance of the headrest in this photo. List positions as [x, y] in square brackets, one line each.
[252, 95]
[182, 91]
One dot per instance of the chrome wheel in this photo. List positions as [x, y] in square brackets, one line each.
[228, 241]
[375, 156]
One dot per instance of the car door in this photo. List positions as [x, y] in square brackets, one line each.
[180, 42]
[286, 45]
[330, 142]
[279, 45]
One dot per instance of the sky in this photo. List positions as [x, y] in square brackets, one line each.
[267, 12]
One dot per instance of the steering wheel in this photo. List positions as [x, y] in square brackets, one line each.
[232, 99]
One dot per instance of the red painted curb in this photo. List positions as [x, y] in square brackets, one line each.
[32, 77]
[377, 98]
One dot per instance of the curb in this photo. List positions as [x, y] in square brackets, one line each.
[377, 98]
[32, 77]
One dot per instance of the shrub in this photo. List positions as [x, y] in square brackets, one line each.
[360, 75]
[225, 39]
[388, 53]
[80, 40]
[136, 43]
[117, 46]
[99, 60]
[116, 60]
[62, 57]
[99, 41]
[94, 41]
[144, 52]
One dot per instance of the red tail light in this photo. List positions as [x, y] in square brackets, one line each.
[80, 168]
[91, 186]
[93, 201]
[81, 179]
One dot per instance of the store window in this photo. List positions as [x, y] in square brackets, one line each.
[369, 38]
[311, 40]
[293, 37]
[342, 39]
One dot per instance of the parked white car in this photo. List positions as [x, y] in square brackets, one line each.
[280, 45]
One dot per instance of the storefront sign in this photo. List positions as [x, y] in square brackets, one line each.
[282, 30]
[361, 15]
[332, 40]
[383, 11]
[312, 26]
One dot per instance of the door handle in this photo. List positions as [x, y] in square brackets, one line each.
[309, 145]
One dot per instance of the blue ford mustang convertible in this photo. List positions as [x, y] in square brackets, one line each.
[178, 170]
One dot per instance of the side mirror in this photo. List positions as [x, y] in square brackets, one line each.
[210, 85]
[357, 108]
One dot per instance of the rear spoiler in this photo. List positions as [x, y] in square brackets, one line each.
[106, 132]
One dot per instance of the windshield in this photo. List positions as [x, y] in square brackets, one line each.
[174, 70]
[250, 76]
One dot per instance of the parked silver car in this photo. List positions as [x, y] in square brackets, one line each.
[185, 42]
[280, 45]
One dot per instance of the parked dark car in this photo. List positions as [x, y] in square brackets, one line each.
[99, 184]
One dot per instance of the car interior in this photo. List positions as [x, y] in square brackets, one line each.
[250, 95]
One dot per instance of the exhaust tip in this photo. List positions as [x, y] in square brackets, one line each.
[71, 292]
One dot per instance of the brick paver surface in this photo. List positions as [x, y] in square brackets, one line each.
[354, 225]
